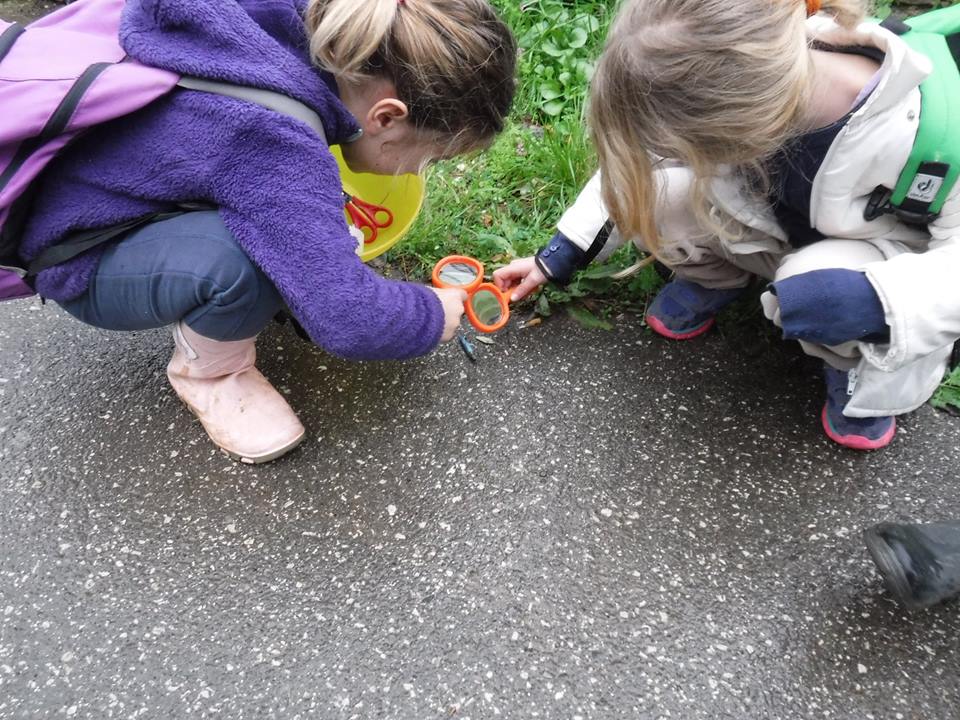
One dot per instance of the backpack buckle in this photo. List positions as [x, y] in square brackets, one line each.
[911, 212]
[917, 218]
[922, 193]
[878, 204]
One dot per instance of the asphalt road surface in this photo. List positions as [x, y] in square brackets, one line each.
[585, 524]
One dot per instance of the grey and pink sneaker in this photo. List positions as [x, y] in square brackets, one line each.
[683, 310]
[870, 433]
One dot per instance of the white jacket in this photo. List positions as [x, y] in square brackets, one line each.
[919, 283]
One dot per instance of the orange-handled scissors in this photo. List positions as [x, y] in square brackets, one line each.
[487, 307]
[370, 219]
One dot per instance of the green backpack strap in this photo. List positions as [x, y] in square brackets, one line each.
[934, 164]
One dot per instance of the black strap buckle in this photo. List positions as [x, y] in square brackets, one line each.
[917, 218]
[878, 204]
[896, 25]
[913, 210]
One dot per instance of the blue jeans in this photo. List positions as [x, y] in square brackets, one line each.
[188, 268]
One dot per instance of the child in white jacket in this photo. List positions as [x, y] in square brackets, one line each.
[748, 138]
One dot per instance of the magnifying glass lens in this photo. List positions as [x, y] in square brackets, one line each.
[458, 274]
[486, 306]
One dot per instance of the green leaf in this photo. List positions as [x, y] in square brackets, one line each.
[948, 396]
[543, 306]
[551, 49]
[587, 319]
[600, 271]
[500, 243]
[578, 37]
[554, 107]
[550, 90]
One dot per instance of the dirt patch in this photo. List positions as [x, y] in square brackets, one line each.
[24, 10]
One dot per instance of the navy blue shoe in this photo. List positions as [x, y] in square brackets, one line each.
[684, 310]
[857, 433]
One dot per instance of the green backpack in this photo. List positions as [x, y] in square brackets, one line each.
[934, 165]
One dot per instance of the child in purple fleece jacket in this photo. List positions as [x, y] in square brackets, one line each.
[396, 83]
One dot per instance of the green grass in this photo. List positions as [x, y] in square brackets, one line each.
[883, 8]
[948, 396]
[505, 203]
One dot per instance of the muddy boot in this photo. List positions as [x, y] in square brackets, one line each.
[920, 564]
[237, 405]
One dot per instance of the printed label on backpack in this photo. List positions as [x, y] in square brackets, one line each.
[925, 188]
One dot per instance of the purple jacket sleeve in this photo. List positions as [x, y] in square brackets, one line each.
[280, 195]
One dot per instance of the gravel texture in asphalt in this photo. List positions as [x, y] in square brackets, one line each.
[585, 524]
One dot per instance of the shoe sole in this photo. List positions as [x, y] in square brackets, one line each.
[248, 459]
[265, 457]
[660, 329]
[890, 570]
[856, 442]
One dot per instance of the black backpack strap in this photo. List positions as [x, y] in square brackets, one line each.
[896, 25]
[87, 240]
[9, 37]
[57, 122]
[953, 42]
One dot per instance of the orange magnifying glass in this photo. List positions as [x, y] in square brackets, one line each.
[487, 307]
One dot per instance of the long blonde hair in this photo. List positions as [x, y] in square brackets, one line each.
[709, 83]
[452, 61]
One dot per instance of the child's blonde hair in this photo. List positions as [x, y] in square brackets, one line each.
[452, 61]
[709, 83]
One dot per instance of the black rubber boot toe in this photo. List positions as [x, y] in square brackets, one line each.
[920, 564]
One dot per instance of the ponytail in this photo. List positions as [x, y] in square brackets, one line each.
[345, 34]
[451, 61]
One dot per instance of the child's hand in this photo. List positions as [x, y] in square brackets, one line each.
[523, 273]
[453, 301]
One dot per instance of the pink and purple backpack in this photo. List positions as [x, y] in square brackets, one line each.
[59, 76]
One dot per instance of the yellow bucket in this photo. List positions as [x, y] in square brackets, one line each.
[401, 194]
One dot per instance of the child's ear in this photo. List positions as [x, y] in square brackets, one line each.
[386, 114]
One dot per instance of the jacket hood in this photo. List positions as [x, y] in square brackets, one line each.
[256, 43]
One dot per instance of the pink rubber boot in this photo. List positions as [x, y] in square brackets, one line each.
[240, 410]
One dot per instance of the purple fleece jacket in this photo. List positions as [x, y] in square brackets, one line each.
[275, 182]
